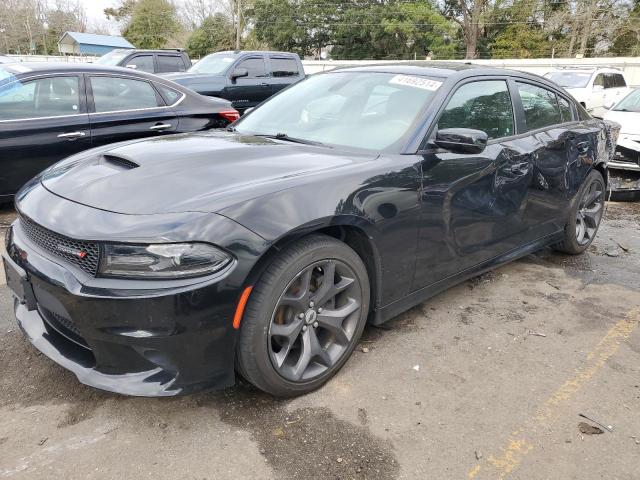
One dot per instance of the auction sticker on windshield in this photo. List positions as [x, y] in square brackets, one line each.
[418, 82]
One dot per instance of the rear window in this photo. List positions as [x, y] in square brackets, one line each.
[540, 106]
[283, 67]
[170, 63]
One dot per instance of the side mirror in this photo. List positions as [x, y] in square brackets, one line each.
[239, 72]
[462, 140]
[131, 65]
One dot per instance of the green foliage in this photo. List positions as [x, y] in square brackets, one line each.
[151, 24]
[216, 33]
[627, 37]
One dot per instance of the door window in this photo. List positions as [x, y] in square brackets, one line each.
[618, 80]
[170, 95]
[540, 106]
[143, 63]
[565, 109]
[599, 81]
[255, 67]
[170, 63]
[484, 105]
[112, 94]
[45, 97]
[283, 67]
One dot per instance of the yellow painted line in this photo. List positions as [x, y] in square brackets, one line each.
[520, 442]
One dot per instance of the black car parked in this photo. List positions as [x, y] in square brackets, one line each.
[162, 266]
[49, 111]
[150, 61]
[244, 78]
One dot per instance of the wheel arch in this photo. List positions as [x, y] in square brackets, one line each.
[353, 231]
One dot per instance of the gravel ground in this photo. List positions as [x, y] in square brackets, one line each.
[484, 381]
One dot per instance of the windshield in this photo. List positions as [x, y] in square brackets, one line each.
[630, 103]
[363, 110]
[214, 64]
[570, 79]
[114, 57]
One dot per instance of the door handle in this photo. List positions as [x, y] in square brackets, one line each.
[263, 84]
[161, 126]
[72, 135]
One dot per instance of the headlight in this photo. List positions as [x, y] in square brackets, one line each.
[170, 260]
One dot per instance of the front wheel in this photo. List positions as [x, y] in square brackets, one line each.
[585, 216]
[304, 317]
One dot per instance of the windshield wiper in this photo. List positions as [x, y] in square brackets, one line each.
[287, 138]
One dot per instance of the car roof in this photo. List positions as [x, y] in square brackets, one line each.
[149, 50]
[24, 68]
[587, 70]
[441, 69]
[256, 52]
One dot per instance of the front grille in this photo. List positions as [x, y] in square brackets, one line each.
[627, 155]
[64, 326]
[85, 255]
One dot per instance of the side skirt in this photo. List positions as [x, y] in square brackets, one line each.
[391, 310]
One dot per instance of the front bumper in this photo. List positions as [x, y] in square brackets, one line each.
[142, 338]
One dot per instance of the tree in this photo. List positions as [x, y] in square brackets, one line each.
[146, 23]
[471, 15]
[626, 38]
[216, 33]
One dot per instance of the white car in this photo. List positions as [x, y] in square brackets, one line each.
[594, 88]
[627, 113]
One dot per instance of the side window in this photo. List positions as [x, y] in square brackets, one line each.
[169, 94]
[619, 80]
[609, 80]
[283, 67]
[484, 105]
[599, 81]
[565, 109]
[170, 63]
[143, 63]
[255, 67]
[111, 94]
[540, 106]
[45, 97]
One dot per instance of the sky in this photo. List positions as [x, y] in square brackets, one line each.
[96, 17]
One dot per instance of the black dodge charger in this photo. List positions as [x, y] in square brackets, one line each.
[167, 265]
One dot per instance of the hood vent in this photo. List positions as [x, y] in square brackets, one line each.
[121, 162]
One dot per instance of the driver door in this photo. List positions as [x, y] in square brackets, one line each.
[252, 89]
[473, 204]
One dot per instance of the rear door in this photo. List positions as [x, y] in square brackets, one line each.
[473, 205]
[249, 91]
[122, 108]
[284, 71]
[558, 146]
[42, 120]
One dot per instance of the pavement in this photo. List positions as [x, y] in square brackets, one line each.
[485, 381]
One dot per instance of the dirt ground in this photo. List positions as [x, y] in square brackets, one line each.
[485, 381]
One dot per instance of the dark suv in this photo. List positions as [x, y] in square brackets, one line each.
[245, 78]
[150, 61]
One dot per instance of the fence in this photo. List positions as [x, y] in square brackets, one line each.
[629, 65]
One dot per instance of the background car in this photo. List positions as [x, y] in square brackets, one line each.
[593, 88]
[4, 59]
[171, 263]
[244, 78]
[50, 111]
[150, 61]
[627, 113]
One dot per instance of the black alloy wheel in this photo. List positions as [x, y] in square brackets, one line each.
[304, 317]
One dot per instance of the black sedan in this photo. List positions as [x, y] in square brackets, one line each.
[50, 111]
[165, 266]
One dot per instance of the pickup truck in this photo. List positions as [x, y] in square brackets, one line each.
[246, 78]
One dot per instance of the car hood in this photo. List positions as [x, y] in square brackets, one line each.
[206, 171]
[629, 121]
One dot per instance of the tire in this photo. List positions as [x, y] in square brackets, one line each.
[291, 296]
[590, 198]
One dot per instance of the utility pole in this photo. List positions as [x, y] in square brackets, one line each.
[238, 25]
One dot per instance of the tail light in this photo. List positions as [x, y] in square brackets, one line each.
[231, 115]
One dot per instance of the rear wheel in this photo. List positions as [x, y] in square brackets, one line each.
[585, 215]
[304, 317]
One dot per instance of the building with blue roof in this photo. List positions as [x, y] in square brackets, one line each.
[76, 43]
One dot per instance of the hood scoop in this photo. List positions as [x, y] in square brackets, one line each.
[123, 163]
